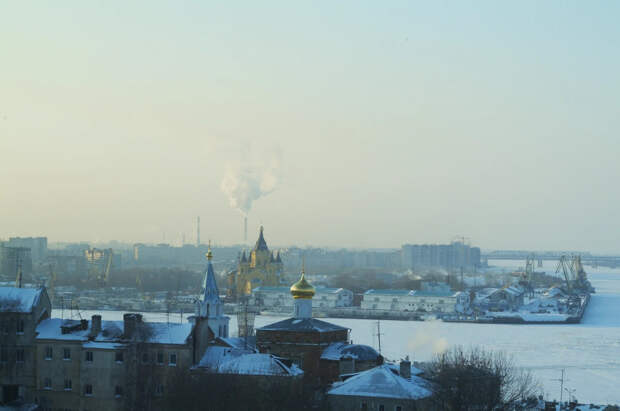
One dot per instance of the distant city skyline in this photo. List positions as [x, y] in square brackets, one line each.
[350, 124]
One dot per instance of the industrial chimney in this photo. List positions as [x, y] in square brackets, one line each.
[198, 231]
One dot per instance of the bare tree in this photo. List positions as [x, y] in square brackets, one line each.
[476, 379]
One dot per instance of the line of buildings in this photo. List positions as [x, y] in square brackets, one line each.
[77, 364]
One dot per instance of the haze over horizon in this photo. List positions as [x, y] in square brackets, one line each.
[352, 124]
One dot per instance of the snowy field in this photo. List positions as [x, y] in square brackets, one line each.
[589, 352]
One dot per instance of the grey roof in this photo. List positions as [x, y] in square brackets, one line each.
[302, 325]
[19, 300]
[338, 350]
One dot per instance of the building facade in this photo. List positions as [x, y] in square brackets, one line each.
[451, 257]
[108, 365]
[439, 300]
[21, 310]
[280, 298]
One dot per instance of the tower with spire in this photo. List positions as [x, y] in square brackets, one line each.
[209, 318]
[261, 267]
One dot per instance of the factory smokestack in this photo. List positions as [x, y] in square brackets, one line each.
[198, 231]
[245, 229]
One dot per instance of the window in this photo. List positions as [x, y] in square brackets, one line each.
[160, 358]
[119, 356]
[145, 358]
[159, 390]
[118, 391]
[66, 353]
[399, 408]
[48, 352]
[89, 356]
[47, 383]
[381, 407]
[364, 406]
[20, 326]
[4, 354]
[19, 355]
[173, 359]
[88, 389]
[68, 385]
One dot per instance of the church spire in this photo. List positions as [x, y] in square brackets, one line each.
[261, 244]
[211, 293]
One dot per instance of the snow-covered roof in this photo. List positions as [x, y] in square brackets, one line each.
[338, 350]
[258, 364]
[112, 331]
[238, 342]
[169, 333]
[19, 300]
[102, 345]
[514, 290]
[302, 325]
[433, 293]
[396, 369]
[215, 355]
[387, 292]
[382, 382]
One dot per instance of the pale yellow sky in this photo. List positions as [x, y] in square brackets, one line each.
[407, 122]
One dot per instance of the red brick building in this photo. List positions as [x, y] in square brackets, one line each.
[301, 339]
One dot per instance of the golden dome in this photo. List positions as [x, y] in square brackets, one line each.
[302, 288]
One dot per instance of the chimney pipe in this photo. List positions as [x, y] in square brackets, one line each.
[198, 231]
[95, 325]
[130, 324]
[405, 368]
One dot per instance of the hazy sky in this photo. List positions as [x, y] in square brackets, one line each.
[378, 123]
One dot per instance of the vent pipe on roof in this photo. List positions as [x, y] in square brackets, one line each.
[405, 368]
[95, 325]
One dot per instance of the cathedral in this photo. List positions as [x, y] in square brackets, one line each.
[261, 268]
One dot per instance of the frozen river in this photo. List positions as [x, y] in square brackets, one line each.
[589, 352]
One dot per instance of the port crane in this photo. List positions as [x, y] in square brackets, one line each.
[526, 276]
[566, 268]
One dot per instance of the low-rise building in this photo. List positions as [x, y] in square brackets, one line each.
[280, 298]
[107, 365]
[428, 300]
[499, 299]
[380, 389]
[21, 310]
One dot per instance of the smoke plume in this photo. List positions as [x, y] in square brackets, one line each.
[246, 183]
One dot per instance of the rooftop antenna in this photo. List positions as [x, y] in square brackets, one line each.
[18, 267]
[379, 334]
[561, 380]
